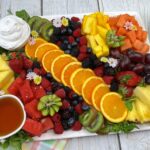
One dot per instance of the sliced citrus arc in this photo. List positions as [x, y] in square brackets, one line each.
[78, 77]
[30, 48]
[43, 48]
[113, 107]
[88, 86]
[98, 92]
[49, 57]
[67, 72]
[58, 65]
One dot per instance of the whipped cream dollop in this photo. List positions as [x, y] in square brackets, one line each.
[14, 32]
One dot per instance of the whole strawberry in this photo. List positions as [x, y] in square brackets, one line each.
[27, 63]
[125, 91]
[16, 65]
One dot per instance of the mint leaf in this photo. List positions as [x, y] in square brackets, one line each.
[23, 14]
[129, 104]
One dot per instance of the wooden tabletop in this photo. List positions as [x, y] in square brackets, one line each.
[138, 140]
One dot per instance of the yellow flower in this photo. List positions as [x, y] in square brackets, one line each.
[64, 21]
[37, 79]
[34, 34]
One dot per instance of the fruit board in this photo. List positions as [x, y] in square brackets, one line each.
[74, 75]
[83, 132]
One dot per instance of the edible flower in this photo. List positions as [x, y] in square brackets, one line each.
[37, 79]
[112, 62]
[34, 34]
[130, 26]
[31, 75]
[2, 92]
[64, 21]
[31, 41]
[57, 23]
[104, 59]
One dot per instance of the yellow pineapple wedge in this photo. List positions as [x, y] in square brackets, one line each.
[143, 93]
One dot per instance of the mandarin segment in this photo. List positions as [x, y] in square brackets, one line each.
[67, 72]
[43, 48]
[58, 65]
[98, 92]
[78, 77]
[113, 107]
[30, 48]
[49, 57]
[88, 87]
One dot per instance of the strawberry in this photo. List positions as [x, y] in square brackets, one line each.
[77, 126]
[43, 72]
[46, 84]
[37, 71]
[99, 71]
[58, 128]
[16, 65]
[108, 79]
[75, 19]
[65, 104]
[77, 32]
[82, 56]
[126, 91]
[128, 78]
[83, 49]
[56, 118]
[23, 74]
[27, 63]
[78, 108]
[83, 40]
[61, 93]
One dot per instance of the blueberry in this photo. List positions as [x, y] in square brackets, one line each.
[48, 76]
[29, 70]
[57, 31]
[80, 99]
[74, 52]
[74, 102]
[89, 50]
[114, 86]
[67, 89]
[71, 110]
[86, 63]
[63, 38]
[85, 107]
[71, 121]
[92, 57]
[36, 64]
[65, 124]
[75, 96]
[64, 31]
[78, 39]
[63, 46]
[66, 42]
[67, 51]
[109, 71]
[74, 44]
[69, 31]
[69, 46]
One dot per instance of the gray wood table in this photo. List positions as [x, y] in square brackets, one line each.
[138, 140]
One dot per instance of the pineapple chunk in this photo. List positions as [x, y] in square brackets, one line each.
[3, 65]
[91, 41]
[102, 31]
[105, 50]
[8, 84]
[99, 40]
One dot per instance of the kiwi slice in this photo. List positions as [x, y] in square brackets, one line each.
[96, 124]
[39, 23]
[32, 20]
[46, 31]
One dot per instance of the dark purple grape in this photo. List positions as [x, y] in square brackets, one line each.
[115, 53]
[147, 58]
[124, 62]
[136, 57]
[147, 79]
[131, 66]
[147, 69]
[138, 68]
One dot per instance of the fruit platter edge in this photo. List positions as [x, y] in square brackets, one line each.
[83, 133]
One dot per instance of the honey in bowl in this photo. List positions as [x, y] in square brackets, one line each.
[11, 115]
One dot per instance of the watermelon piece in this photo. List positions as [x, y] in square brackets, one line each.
[33, 127]
[47, 124]
[38, 91]
[15, 86]
[31, 110]
[26, 92]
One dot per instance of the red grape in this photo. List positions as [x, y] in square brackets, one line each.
[124, 62]
[136, 57]
[147, 79]
[147, 69]
[115, 53]
[138, 68]
[147, 58]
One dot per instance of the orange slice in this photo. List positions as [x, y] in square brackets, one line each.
[31, 48]
[67, 72]
[58, 65]
[43, 48]
[113, 107]
[78, 77]
[98, 92]
[49, 57]
[88, 87]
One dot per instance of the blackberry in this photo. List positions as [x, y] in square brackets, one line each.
[66, 114]
[69, 46]
[75, 96]
[65, 124]
[63, 31]
[67, 89]
[48, 76]
[109, 71]
[74, 52]
[75, 25]
[80, 99]
[114, 86]
[86, 63]
[75, 115]
[69, 31]
[97, 63]
[77, 39]
[74, 44]
[57, 31]
[74, 102]
[36, 64]
[71, 121]
[65, 42]
[92, 57]
[63, 46]
[71, 110]
[63, 38]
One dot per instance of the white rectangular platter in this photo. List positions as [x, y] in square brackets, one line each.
[50, 135]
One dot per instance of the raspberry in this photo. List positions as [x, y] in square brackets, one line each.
[27, 63]
[83, 40]
[58, 128]
[71, 39]
[59, 43]
[99, 71]
[37, 71]
[78, 108]
[108, 79]
[56, 118]
[75, 19]
[77, 126]
[43, 72]
[23, 74]
[77, 32]
[83, 49]
[61, 93]
[65, 104]
[82, 56]
[46, 84]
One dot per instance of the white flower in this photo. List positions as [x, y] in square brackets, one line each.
[31, 76]
[57, 23]
[2, 92]
[112, 62]
[129, 26]
[31, 41]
